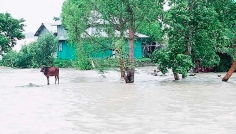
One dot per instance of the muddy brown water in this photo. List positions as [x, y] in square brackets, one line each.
[90, 102]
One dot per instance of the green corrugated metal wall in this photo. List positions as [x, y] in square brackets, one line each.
[105, 54]
[138, 49]
[68, 52]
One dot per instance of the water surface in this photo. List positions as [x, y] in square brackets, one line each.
[90, 102]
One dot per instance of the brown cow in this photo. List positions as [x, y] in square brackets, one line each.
[50, 71]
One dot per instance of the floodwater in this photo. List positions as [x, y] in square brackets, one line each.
[88, 102]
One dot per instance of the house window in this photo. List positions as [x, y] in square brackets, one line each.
[60, 47]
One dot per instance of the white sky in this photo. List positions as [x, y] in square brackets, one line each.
[34, 12]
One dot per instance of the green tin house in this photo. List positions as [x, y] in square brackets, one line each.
[66, 51]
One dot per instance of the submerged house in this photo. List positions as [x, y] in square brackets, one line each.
[66, 51]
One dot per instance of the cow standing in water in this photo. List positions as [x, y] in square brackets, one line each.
[50, 71]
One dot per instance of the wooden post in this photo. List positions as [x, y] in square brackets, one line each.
[230, 72]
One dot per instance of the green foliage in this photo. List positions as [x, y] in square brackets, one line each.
[111, 63]
[152, 30]
[82, 61]
[195, 33]
[210, 60]
[225, 62]
[105, 64]
[10, 59]
[180, 63]
[107, 16]
[75, 16]
[195, 30]
[144, 62]
[120, 48]
[63, 63]
[43, 50]
[227, 17]
[11, 30]
[162, 58]
[24, 58]
[34, 54]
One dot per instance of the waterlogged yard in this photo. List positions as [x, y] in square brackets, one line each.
[90, 102]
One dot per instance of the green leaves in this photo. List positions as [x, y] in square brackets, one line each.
[34, 54]
[75, 17]
[10, 31]
[95, 26]
[195, 33]
[181, 63]
[43, 49]
[163, 59]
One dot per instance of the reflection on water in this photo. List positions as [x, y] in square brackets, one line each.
[90, 102]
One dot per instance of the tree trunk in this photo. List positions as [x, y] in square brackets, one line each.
[176, 76]
[122, 70]
[184, 75]
[129, 78]
[230, 72]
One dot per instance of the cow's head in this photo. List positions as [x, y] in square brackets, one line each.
[42, 68]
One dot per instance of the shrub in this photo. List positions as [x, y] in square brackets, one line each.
[34, 54]
[9, 59]
[225, 62]
[63, 63]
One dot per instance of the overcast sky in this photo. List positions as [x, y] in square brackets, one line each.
[33, 11]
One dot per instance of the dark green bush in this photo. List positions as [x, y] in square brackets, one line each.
[104, 64]
[144, 62]
[63, 63]
[225, 62]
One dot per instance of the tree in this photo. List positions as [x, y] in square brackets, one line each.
[132, 15]
[10, 31]
[195, 31]
[227, 17]
[75, 15]
[43, 50]
[110, 16]
[35, 54]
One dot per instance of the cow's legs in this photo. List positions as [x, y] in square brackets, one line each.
[48, 79]
[58, 79]
[55, 79]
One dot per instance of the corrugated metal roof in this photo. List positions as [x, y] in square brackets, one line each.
[48, 26]
[93, 31]
[62, 38]
[57, 23]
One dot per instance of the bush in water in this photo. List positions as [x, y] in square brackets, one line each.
[34, 54]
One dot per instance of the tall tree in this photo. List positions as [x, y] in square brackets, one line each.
[129, 15]
[11, 30]
[110, 16]
[227, 17]
[195, 31]
[75, 17]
